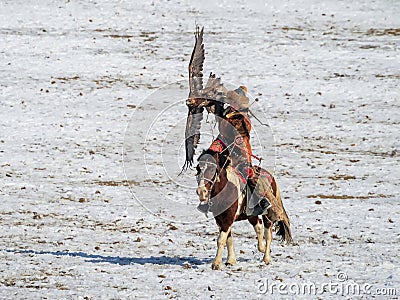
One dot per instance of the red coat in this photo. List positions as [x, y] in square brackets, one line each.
[235, 128]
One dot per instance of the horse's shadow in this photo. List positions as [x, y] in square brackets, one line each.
[118, 260]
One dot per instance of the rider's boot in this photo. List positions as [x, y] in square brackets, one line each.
[263, 204]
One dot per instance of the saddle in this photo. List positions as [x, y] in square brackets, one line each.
[256, 181]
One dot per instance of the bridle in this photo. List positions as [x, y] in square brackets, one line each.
[201, 174]
[202, 167]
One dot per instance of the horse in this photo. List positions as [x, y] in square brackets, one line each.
[220, 189]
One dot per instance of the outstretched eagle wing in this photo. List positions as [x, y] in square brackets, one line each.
[196, 65]
[195, 113]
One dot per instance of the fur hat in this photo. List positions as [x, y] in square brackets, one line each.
[237, 98]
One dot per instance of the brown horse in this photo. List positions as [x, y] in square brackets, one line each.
[220, 190]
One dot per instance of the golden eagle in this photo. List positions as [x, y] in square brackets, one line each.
[210, 97]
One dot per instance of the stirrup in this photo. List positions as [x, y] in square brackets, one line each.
[265, 204]
[262, 207]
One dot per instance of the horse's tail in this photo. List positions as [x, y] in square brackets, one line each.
[284, 224]
[284, 228]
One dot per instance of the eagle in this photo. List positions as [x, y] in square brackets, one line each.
[210, 97]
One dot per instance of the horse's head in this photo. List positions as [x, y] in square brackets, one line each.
[208, 172]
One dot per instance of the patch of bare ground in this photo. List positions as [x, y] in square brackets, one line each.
[322, 196]
[118, 183]
[65, 79]
[119, 36]
[342, 177]
[388, 76]
[383, 31]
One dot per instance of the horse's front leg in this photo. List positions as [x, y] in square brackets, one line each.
[221, 242]
[268, 239]
[231, 251]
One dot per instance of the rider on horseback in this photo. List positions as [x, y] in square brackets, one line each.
[234, 134]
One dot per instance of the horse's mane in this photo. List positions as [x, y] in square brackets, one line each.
[223, 157]
[208, 151]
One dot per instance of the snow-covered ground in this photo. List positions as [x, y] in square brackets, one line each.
[92, 95]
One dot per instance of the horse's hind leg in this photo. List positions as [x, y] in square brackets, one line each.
[221, 242]
[259, 229]
[268, 239]
[231, 251]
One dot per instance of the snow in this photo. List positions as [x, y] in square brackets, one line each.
[92, 94]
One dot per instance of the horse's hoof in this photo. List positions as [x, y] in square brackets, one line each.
[267, 260]
[216, 267]
[230, 263]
